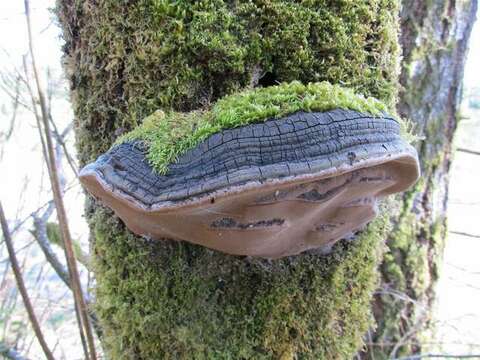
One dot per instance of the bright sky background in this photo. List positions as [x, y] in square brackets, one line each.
[22, 160]
[13, 31]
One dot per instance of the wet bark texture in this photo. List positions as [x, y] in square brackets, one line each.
[434, 39]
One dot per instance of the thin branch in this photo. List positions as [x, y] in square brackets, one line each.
[57, 195]
[405, 337]
[466, 203]
[468, 151]
[462, 268]
[54, 237]
[6, 135]
[20, 223]
[439, 356]
[6, 85]
[40, 234]
[60, 138]
[416, 342]
[464, 234]
[398, 295]
[21, 286]
[23, 248]
[35, 111]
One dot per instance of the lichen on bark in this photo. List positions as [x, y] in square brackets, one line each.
[434, 39]
[165, 299]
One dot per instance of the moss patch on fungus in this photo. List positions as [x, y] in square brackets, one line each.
[170, 134]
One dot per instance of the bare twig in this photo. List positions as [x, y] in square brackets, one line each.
[464, 234]
[399, 295]
[405, 337]
[7, 84]
[439, 356]
[6, 135]
[61, 213]
[40, 234]
[54, 237]
[370, 350]
[35, 111]
[416, 342]
[462, 268]
[468, 151]
[20, 223]
[22, 288]
[60, 137]
[466, 203]
[24, 247]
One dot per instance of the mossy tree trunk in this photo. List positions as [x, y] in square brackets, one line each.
[164, 299]
[434, 39]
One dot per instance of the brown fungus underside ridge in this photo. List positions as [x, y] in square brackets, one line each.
[271, 189]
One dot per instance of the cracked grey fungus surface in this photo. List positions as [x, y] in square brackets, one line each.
[270, 189]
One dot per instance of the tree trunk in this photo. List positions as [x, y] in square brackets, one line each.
[165, 299]
[434, 39]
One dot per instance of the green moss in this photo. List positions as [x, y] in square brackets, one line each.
[164, 300]
[127, 61]
[409, 271]
[169, 135]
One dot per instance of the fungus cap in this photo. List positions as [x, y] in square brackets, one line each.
[270, 189]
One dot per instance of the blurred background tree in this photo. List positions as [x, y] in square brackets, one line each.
[434, 39]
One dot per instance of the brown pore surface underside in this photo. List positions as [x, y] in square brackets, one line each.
[270, 189]
[271, 219]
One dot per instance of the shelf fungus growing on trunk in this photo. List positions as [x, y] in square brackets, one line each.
[269, 172]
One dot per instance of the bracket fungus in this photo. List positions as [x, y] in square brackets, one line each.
[292, 179]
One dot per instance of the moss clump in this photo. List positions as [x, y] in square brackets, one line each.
[170, 134]
[126, 59]
[168, 300]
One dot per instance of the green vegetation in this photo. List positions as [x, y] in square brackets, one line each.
[130, 60]
[165, 299]
[168, 300]
[170, 134]
[410, 268]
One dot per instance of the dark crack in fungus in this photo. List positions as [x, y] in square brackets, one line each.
[271, 189]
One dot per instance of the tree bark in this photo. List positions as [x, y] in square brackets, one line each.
[165, 299]
[434, 40]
